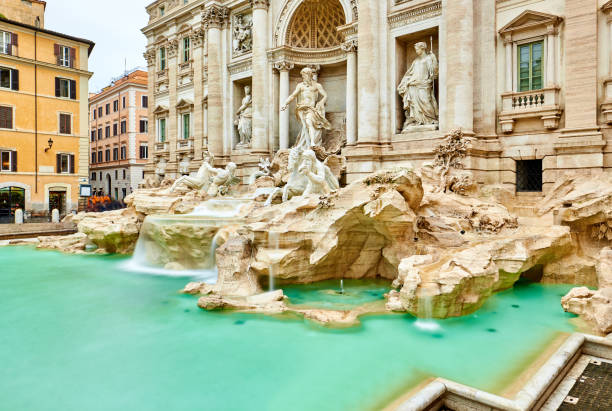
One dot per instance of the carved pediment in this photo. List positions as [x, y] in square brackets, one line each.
[607, 7]
[160, 110]
[184, 104]
[530, 19]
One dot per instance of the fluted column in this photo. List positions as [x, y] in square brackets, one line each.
[173, 136]
[460, 63]
[608, 12]
[150, 55]
[214, 18]
[350, 47]
[260, 76]
[197, 40]
[368, 72]
[283, 67]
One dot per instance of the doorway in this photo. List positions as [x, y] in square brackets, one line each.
[11, 198]
[57, 199]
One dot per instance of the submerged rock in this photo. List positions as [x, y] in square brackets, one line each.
[595, 307]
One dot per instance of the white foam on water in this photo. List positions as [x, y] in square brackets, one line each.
[427, 325]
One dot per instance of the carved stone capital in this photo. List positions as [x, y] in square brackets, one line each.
[350, 46]
[172, 48]
[150, 55]
[260, 4]
[215, 16]
[284, 66]
[197, 37]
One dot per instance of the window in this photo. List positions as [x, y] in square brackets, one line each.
[5, 42]
[124, 173]
[162, 11]
[107, 109]
[65, 121]
[145, 101]
[8, 160]
[93, 161]
[116, 175]
[9, 78]
[123, 102]
[115, 106]
[115, 155]
[65, 163]
[100, 134]
[114, 129]
[116, 193]
[100, 159]
[123, 153]
[144, 151]
[186, 126]
[530, 66]
[124, 191]
[93, 176]
[65, 88]
[162, 130]
[123, 127]
[99, 111]
[529, 175]
[162, 58]
[65, 55]
[107, 131]
[93, 135]
[94, 114]
[186, 49]
[144, 126]
[107, 154]
[6, 117]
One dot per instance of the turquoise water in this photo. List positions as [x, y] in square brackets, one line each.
[76, 333]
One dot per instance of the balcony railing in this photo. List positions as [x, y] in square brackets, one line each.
[162, 74]
[184, 145]
[544, 103]
[163, 146]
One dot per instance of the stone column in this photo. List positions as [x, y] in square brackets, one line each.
[551, 56]
[151, 56]
[508, 46]
[350, 47]
[259, 141]
[608, 11]
[172, 50]
[214, 18]
[460, 62]
[197, 41]
[283, 67]
[368, 73]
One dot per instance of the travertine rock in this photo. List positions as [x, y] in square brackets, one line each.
[604, 268]
[115, 231]
[573, 269]
[73, 244]
[594, 307]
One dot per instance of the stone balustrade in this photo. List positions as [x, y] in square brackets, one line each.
[161, 147]
[162, 74]
[544, 103]
[184, 145]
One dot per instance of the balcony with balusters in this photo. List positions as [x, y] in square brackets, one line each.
[544, 104]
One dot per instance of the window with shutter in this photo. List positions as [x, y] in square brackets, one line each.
[145, 101]
[107, 109]
[5, 160]
[123, 127]
[93, 161]
[14, 161]
[5, 42]
[56, 52]
[5, 77]
[99, 134]
[6, 117]
[99, 111]
[65, 123]
[115, 129]
[73, 89]
[107, 154]
[93, 135]
[144, 126]
[64, 56]
[115, 154]
[123, 153]
[115, 106]
[71, 163]
[65, 88]
[100, 156]
[72, 57]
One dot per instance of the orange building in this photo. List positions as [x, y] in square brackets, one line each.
[118, 131]
[43, 117]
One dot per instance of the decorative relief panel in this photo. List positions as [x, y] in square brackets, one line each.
[413, 15]
[242, 39]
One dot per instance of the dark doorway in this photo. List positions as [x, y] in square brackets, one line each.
[57, 199]
[108, 185]
[529, 175]
[11, 198]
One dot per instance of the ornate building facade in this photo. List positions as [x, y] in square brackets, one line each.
[529, 81]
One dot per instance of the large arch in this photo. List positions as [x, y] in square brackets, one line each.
[26, 187]
[288, 10]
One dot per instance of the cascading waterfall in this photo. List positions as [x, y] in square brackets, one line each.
[171, 245]
[274, 244]
[426, 323]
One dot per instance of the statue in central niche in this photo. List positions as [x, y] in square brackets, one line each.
[417, 89]
[244, 120]
[310, 110]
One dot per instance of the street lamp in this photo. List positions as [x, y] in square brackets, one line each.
[50, 142]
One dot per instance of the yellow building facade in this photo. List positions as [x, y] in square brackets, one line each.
[44, 143]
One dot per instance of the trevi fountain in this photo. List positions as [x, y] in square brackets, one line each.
[288, 287]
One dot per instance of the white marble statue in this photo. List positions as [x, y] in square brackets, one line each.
[321, 180]
[244, 120]
[310, 110]
[213, 181]
[265, 170]
[183, 166]
[417, 89]
[160, 168]
[243, 40]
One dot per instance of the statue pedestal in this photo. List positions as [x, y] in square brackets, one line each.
[414, 129]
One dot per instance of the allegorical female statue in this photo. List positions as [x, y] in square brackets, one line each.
[244, 120]
[417, 91]
[309, 111]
